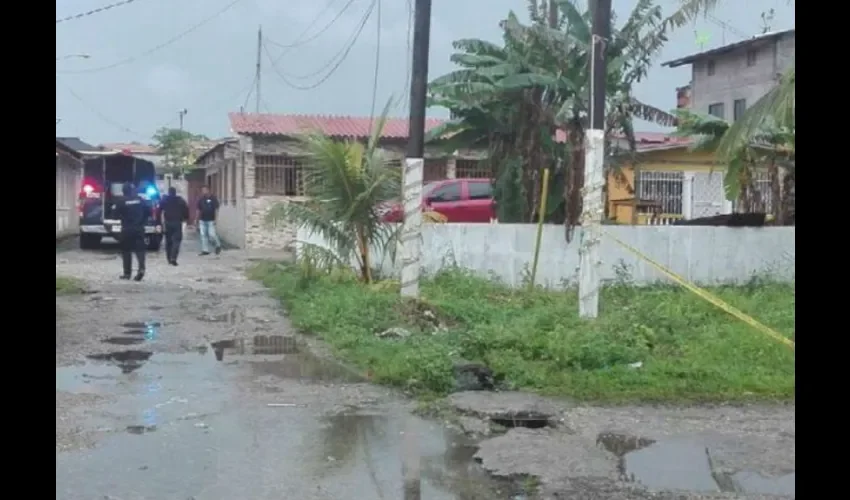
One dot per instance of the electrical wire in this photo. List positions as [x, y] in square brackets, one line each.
[343, 54]
[403, 100]
[96, 112]
[94, 11]
[298, 41]
[250, 92]
[161, 46]
[377, 65]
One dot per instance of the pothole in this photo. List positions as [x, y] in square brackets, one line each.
[123, 340]
[136, 331]
[529, 420]
[122, 356]
[620, 444]
[140, 429]
[258, 345]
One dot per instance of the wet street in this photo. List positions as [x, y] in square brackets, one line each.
[192, 385]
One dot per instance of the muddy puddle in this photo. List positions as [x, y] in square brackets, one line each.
[186, 425]
[687, 463]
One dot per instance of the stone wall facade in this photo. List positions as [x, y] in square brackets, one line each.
[256, 232]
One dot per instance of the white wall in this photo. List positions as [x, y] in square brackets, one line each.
[700, 254]
[68, 182]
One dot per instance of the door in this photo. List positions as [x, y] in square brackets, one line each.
[707, 194]
[447, 199]
[479, 203]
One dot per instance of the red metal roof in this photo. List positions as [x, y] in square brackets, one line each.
[333, 126]
[395, 128]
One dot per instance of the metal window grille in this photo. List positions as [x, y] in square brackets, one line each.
[472, 169]
[664, 188]
[278, 175]
[435, 170]
[763, 194]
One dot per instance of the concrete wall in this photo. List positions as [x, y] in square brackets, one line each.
[224, 175]
[69, 178]
[734, 79]
[704, 255]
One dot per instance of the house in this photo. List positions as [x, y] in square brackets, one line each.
[259, 168]
[69, 176]
[672, 183]
[728, 79]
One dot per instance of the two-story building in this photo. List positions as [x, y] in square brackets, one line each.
[728, 79]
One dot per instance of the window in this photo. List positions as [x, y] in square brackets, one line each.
[738, 108]
[664, 188]
[752, 57]
[446, 192]
[710, 68]
[716, 110]
[480, 190]
[233, 181]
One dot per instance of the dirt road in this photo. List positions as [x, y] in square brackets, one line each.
[192, 385]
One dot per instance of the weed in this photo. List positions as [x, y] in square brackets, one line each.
[69, 286]
[688, 350]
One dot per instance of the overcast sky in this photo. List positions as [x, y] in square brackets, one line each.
[210, 70]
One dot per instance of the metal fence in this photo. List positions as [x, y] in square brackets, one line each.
[278, 175]
[471, 169]
[664, 188]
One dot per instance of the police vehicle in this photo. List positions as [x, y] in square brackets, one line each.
[104, 177]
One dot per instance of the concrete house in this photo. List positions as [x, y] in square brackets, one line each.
[260, 167]
[727, 80]
[69, 176]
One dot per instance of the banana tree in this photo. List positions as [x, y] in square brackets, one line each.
[515, 96]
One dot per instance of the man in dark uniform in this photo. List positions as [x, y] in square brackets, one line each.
[175, 213]
[133, 211]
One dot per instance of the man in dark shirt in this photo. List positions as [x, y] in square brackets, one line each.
[175, 213]
[207, 210]
[133, 211]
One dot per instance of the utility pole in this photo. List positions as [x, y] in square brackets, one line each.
[414, 163]
[181, 113]
[411, 231]
[259, 65]
[594, 164]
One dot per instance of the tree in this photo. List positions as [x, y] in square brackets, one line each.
[347, 184]
[768, 148]
[514, 97]
[177, 146]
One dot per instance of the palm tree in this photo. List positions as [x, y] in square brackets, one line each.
[346, 183]
[515, 96]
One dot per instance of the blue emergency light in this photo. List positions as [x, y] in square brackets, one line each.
[151, 191]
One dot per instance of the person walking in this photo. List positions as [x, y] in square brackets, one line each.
[133, 211]
[207, 211]
[175, 211]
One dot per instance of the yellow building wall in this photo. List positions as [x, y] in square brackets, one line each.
[621, 184]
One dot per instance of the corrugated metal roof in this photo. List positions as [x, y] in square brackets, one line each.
[76, 144]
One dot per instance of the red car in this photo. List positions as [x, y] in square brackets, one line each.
[460, 200]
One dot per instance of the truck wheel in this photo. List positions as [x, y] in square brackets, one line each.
[154, 242]
[89, 241]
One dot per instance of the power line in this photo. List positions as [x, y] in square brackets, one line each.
[97, 112]
[342, 55]
[407, 69]
[377, 66]
[94, 11]
[299, 41]
[168, 42]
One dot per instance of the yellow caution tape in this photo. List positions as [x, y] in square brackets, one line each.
[707, 296]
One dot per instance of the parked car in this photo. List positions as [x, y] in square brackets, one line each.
[459, 200]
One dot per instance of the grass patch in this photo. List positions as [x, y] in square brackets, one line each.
[690, 350]
[69, 286]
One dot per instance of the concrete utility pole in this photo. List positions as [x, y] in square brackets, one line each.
[594, 165]
[414, 163]
[181, 113]
[259, 65]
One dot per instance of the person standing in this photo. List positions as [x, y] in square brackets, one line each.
[175, 211]
[207, 211]
[133, 211]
